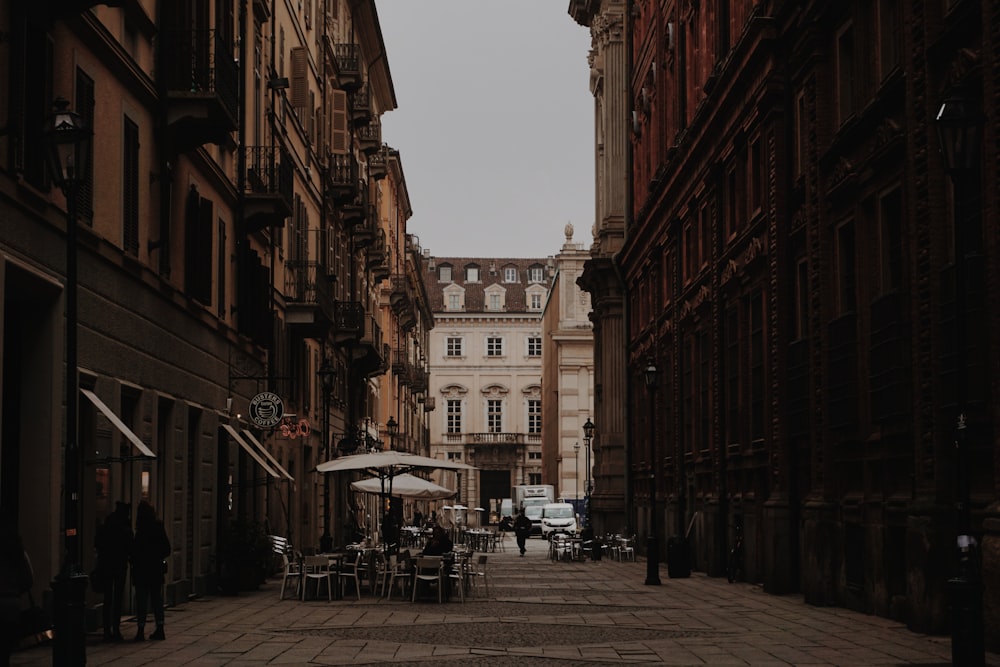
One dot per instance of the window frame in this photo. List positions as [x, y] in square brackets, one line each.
[494, 346]
[454, 347]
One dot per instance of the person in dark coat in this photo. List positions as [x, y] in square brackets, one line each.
[439, 543]
[114, 545]
[418, 519]
[16, 579]
[522, 528]
[150, 548]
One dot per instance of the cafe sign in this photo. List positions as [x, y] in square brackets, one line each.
[266, 409]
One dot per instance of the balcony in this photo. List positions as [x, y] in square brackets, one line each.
[355, 212]
[378, 257]
[268, 189]
[401, 366]
[348, 321]
[364, 235]
[361, 106]
[348, 59]
[342, 178]
[429, 403]
[419, 380]
[369, 138]
[490, 438]
[308, 304]
[202, 82]
[371, 356]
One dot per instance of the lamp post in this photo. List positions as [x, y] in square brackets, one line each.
[68, 143]
[652, 540]
[958, 126]
[576, 460]
[327, 376]
[588, 436]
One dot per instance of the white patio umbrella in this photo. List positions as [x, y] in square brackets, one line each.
[387, 465]
[406, 486]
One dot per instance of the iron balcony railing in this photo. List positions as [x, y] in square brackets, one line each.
[269, 171]
[306, 282]
[493, 438]
[198, 61]
[348, 57]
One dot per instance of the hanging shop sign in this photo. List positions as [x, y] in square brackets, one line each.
[266, 409]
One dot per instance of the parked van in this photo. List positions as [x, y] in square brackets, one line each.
[558, 518]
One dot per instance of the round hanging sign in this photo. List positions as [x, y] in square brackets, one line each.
[266, 409]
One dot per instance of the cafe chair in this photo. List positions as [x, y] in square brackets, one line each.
[317, 568]
[479, 571]
[428, 569]
[291, 571]
[349, 570]
[402, 572]
[458, 575]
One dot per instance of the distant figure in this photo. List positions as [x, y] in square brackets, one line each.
[150, 549]
[439, 543]
[506, 524]
[522, 528]
[418, 519]
[16, 579]
[114, 544]
[390, 532]
[434, 517]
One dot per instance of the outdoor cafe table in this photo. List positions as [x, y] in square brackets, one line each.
[478, 538]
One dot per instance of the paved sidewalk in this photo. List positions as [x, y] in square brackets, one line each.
[538, 612]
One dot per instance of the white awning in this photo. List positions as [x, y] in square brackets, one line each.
[119, 424]
[274, 462]
[250, 449]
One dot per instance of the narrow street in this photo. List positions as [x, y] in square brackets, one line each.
[537, 612]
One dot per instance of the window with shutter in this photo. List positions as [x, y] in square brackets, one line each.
[338, 122]
[85, 107]
[130, 188]
[300, 79]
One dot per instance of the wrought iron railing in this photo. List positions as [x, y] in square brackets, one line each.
[306, 282]
[269, 171]
[198, 61]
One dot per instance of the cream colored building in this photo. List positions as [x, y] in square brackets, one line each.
[567, 377]
[485, 367]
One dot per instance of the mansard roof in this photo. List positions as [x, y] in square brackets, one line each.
[491, 272]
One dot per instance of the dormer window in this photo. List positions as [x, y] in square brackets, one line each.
[494, 301]
[472, 274]
[536, 274]
[444, 273]
[495, 298]
[510, 274]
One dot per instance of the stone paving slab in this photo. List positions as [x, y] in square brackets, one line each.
[539, 612]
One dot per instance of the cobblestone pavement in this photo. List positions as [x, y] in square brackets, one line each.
[537, 612]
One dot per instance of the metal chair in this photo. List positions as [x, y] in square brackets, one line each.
[401, 572]
[428, 569]
[317, 568]
[349, 571]
[458, 574]
[291, 571]
[479, 571]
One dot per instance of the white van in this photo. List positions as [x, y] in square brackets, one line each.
[558, 518]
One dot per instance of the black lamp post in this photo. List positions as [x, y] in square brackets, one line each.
[652, 540]
[959, 126]
[576, 460]
[588, 436]
[68, 143]
[391, 426]
[327, 376]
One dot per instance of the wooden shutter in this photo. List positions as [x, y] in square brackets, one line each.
[300, 78]
[130, 188]
[338, 122]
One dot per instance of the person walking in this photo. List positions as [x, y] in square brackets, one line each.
[522, 528]
[16, 579]
[114, 544]
[150, 547]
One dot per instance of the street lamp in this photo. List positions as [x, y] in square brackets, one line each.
[391, 426]
[576, 459]
[588, 436]
[327, 376]
[68, 143]
[652, 540]
[959, 127]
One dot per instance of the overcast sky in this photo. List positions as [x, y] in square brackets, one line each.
[495, 125]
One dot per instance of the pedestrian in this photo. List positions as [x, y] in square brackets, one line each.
[522, 528]
[506, 525]
[439, 543]
[418, 519]
[114, 544]
[16, 579]
[150, 548]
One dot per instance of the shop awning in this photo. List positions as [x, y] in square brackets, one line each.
[274, 462]
[250, 449]
[144, 451]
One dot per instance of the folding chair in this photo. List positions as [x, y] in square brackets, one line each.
[292, 570]
[349, 571]
[317, 568]
[428, 569]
